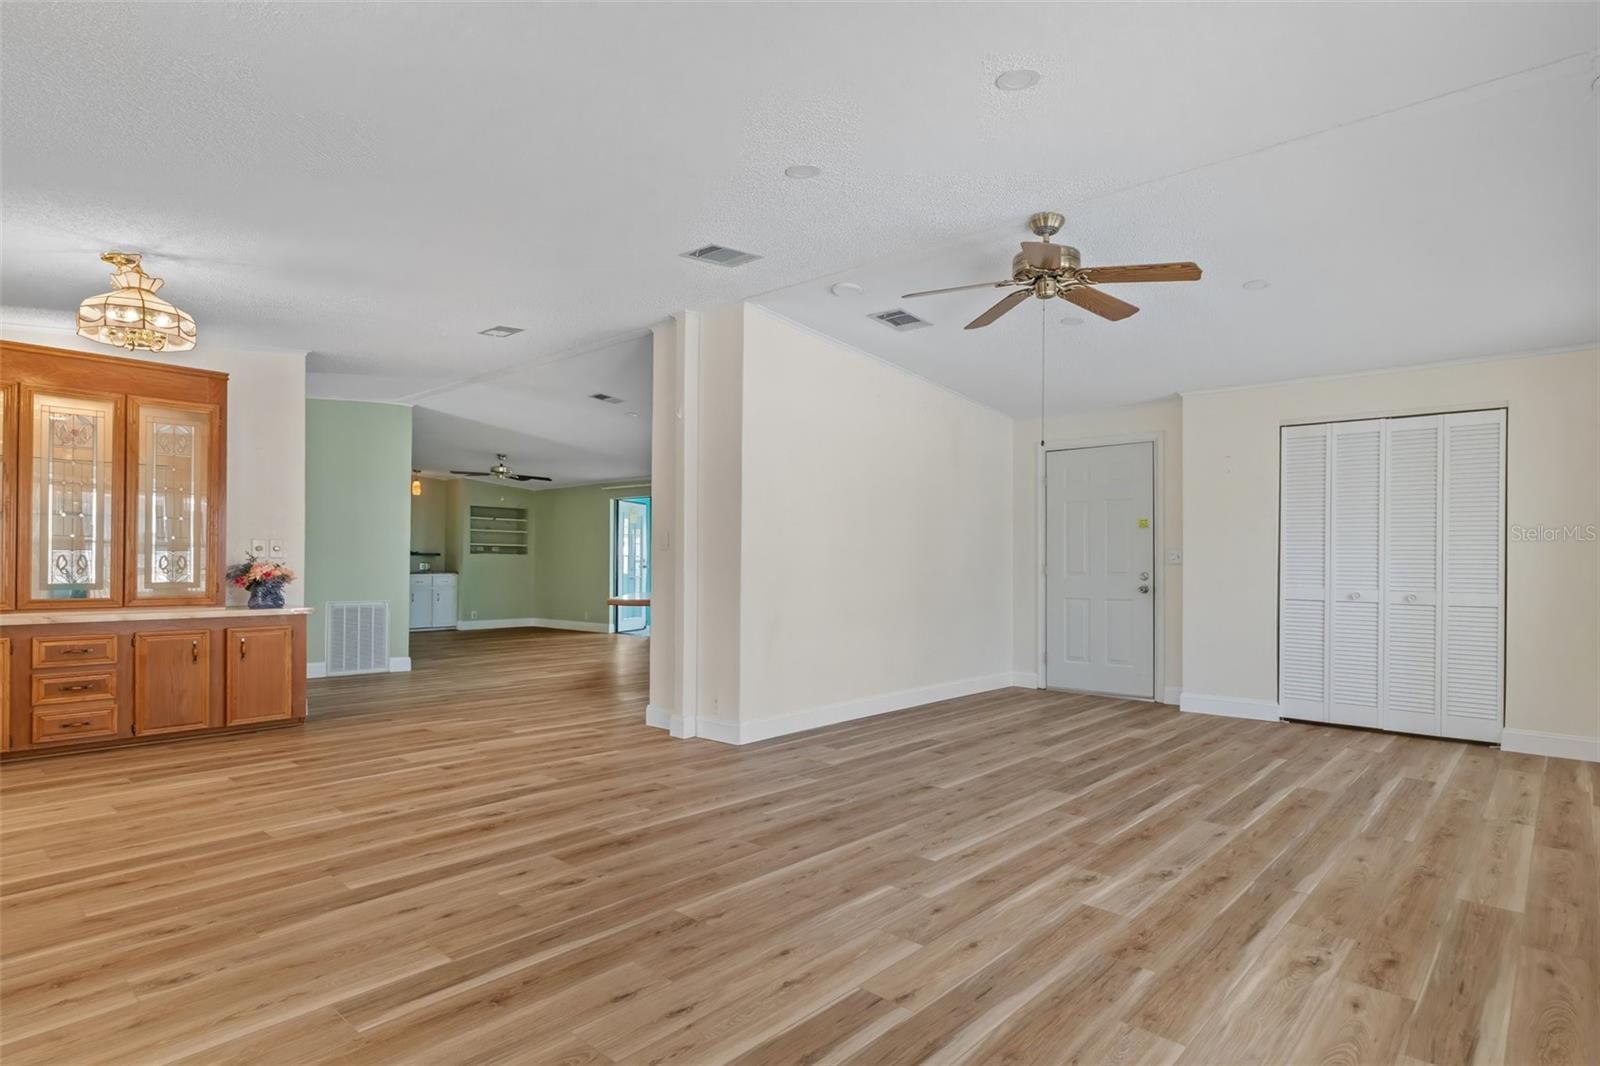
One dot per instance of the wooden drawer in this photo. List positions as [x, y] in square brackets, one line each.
[74, 688]
[96, 650]
[55, 725]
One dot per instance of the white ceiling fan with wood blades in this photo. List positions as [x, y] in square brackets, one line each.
[1050, 271]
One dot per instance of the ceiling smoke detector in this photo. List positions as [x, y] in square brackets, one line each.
[900, 320]
[720, 255]
[500, 331]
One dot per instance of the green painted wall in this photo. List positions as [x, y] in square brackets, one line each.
[358, 513]
[494, 586]
[566, 575]
[430, 515]
[572, 551]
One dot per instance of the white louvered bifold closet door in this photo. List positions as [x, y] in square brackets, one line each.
[1474, 562]
[1391, 573]
[1414, 475]
[1303, 574]
[1354, 663]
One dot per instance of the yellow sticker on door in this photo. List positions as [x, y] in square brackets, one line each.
[1144, 523]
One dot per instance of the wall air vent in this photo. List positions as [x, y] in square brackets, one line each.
[604, 397]
[900, 320]
[358, 638]
[716, 253]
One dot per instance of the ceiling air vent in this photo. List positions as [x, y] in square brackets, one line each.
[501, 331]
[716, 253]
[605, 398]
[900, 320]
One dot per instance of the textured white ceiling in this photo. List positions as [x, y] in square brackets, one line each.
[376, 182]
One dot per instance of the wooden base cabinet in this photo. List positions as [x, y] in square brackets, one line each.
[71, 686]
[260, 675]
[172, 682]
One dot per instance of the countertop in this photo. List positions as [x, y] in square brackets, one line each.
[139, 614]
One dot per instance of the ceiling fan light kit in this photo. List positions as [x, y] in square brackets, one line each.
[1051, 271]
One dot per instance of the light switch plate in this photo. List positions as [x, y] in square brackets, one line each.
[258, 547]
[275, 549]
[1175, 557]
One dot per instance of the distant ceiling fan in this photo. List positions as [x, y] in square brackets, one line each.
[1048, 270]
[501, 471]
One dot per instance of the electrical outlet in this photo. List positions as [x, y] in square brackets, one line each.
[473, 615]
[275, 549]
[258, 547]
[1175, 557]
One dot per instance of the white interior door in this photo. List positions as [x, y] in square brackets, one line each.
[1303, 574]
[1474, 522]
[1355, 615]
[1392, 574]
[1100, 569]
[1413, 464]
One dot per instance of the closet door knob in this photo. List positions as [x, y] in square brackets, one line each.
[1355, 595]
[1411, 597]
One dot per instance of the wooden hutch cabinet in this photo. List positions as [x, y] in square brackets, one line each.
[113, 491]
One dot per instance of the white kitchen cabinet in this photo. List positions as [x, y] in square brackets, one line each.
[433, 601]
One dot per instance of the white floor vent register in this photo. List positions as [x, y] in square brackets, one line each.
[358, 638]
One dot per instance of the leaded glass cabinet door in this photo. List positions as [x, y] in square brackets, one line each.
[171, 542]
[8, 501]
[69, 542]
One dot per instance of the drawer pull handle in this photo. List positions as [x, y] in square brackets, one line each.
[76, 725]
[241, 647]
[77, 688]
[77, 651]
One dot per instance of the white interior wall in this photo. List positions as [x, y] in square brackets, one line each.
[876, 548]
[1230, 525]
[1162, 420]
[266, 439]
[666, 428]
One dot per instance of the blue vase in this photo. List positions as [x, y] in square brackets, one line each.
[266, 594]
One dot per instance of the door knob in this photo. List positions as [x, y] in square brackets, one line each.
[1144, 575]
[1355, 595]
[1144, 589]
[1411, 597]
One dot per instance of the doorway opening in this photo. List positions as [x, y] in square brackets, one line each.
[630, 565]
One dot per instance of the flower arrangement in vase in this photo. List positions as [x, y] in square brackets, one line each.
[264, 580]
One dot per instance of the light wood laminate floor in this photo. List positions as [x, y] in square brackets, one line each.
[493, 860]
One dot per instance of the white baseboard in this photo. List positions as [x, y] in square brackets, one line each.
[1172, 695]
[399, 664]
[1024, 679]
[721, 730]
[316, 670]
[743, 732]
[541, 623]
[1229, 706]
[656, 716]
[1556, 745]
[682, 726]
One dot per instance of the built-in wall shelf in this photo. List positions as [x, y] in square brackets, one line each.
[497, 530]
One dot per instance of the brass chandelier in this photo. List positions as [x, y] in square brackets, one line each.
[132, 316]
